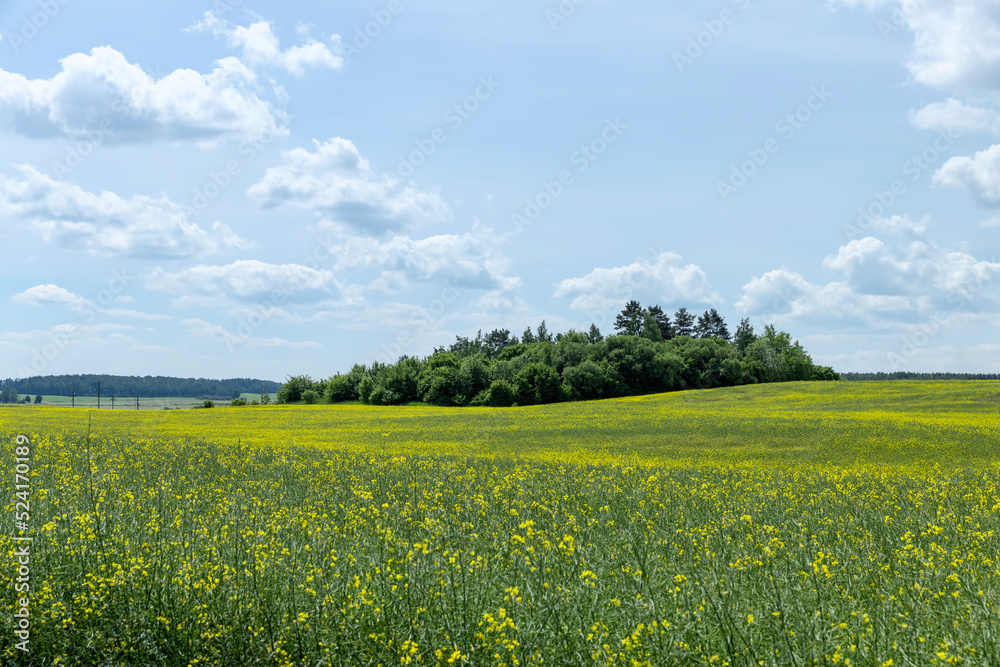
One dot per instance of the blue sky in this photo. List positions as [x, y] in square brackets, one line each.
[237, 189]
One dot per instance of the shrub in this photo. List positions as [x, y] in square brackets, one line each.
[538, 383]
[501, 394]
[586, 381]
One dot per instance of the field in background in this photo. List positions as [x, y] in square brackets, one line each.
[156, 403]
[879, 423]
[820, 523]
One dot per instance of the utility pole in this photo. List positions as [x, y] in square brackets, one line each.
[73, 399]
[136, 402]
[112, 401]
[98, 394]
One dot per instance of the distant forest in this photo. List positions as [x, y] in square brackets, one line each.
[650, 353]
[905, 375]
[133, 386]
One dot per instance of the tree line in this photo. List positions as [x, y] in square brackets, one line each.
[907, 375]
[135, 386]
[649, 353]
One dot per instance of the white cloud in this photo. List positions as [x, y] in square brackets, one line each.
[471, 260]
[102, 92]
[106, 224]
[205, 329]
[244, 280]
[135, 314]
[260, 46]
[980, 173]
[660, 276]
[336, 182]
[897, 278]
[42, 294]
[956, 44]
[957, 117]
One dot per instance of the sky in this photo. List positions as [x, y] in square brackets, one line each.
[238, 189]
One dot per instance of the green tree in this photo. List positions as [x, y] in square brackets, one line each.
[662, 321]
[294, 387]
[717, 325]
[744, 336]
[473, 376]
[774, 357]
[586, 381]
[537, 384]
[543, 333]
[683, 322]
[310, 396]
[401, 382]
[38, 399]
[650, 329]
[496, 341]
[703, 327]
[594, 335]
[630, 320]
[501, 394]
[444, 388]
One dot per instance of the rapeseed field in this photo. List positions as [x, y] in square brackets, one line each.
[797, 524]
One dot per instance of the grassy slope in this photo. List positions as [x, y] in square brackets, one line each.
[949, 423]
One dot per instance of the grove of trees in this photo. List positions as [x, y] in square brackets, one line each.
[650, 353]
[143, 387]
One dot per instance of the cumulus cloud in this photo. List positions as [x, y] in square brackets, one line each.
[660, 275]
[337, 183]
[260, 47]
[471, 259]
[106, 224]
[44, 294]
[244, 280]
[957, 117]
[980, 173]
[898, 277]
[102, 92]
[956, 44]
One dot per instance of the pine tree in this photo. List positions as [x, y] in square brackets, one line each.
[683, 322]
[629, 321]
[662, 321]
